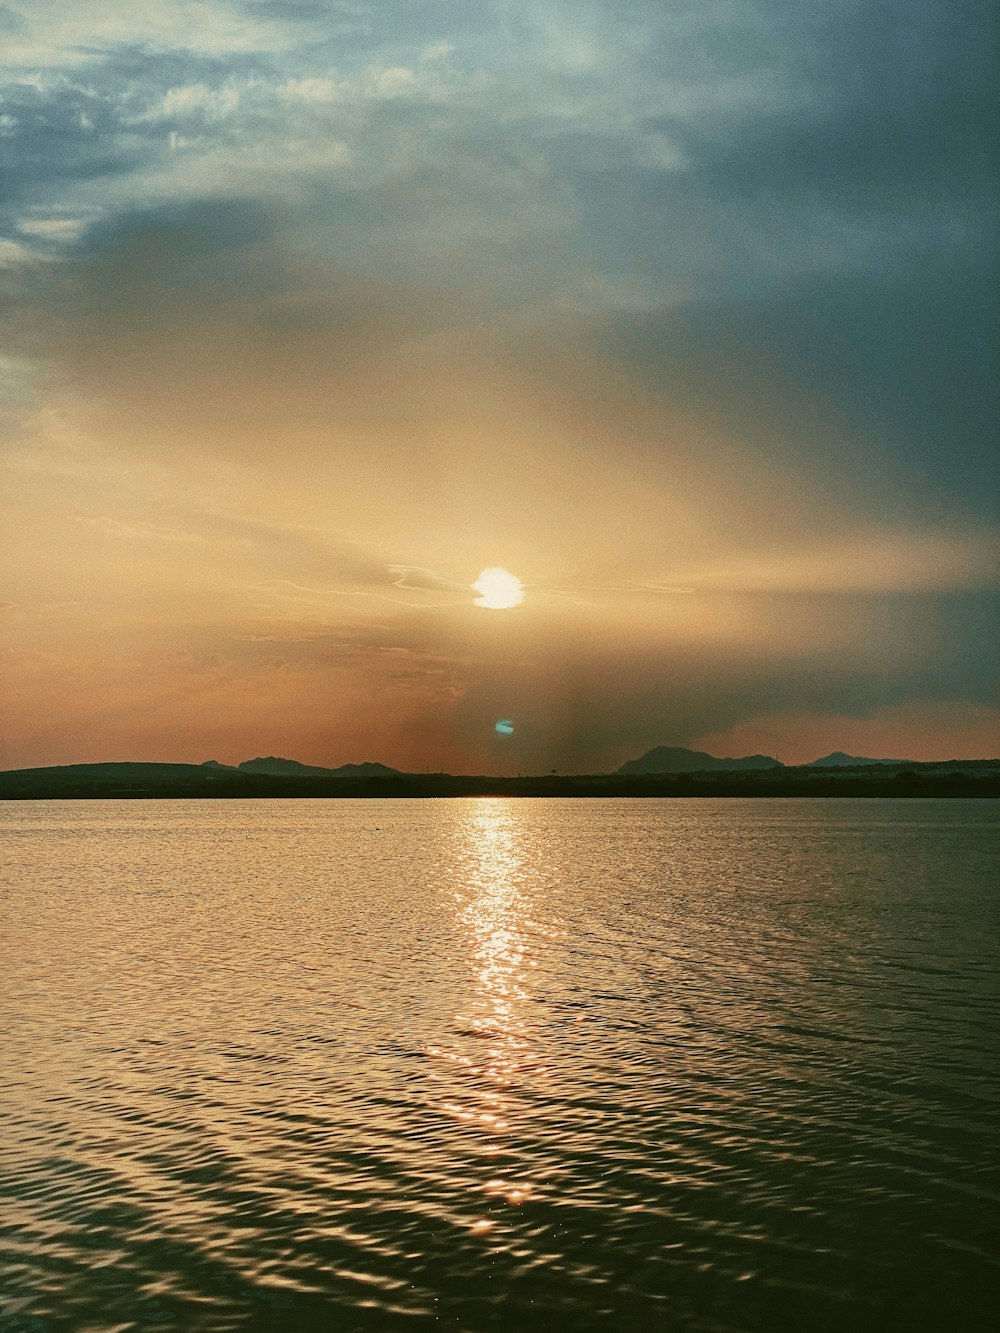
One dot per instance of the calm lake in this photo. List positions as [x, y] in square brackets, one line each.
[500, 1064]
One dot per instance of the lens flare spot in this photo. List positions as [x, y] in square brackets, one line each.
[498, 589]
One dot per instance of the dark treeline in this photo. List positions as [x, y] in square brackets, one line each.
[137, 782]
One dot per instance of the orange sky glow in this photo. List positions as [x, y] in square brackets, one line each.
[326, 341]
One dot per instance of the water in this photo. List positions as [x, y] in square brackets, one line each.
[500, 1064]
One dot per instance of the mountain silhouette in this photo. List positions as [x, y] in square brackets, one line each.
[291, 768]
[675, 759]
[691, 773]
[192, 779]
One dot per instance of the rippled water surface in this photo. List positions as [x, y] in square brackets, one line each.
[500, 1064]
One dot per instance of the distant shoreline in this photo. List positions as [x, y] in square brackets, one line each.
[909, 784]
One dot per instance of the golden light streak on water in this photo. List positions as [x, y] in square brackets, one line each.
[493, 903]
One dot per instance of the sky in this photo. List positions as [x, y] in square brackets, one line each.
[682, 313]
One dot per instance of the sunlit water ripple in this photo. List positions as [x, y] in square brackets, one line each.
[513, 1064]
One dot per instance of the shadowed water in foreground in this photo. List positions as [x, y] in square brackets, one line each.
[476, 1064]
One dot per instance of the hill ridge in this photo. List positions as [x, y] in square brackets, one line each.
[678, 759]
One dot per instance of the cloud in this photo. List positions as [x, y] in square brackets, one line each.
[140, 530]
[48, 33]
[194, 102]
[64, 230]
[13, 254]
[424, 580]
[590, 135]
[874, 562]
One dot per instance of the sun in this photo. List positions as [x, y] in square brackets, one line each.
[498, 589]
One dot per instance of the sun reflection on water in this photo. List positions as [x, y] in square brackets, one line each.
[494, 1066]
